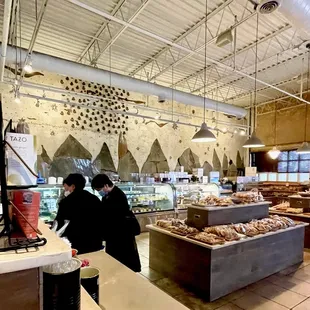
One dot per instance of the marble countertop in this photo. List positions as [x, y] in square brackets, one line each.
[122, 289]
[53, 252]
[227, 243]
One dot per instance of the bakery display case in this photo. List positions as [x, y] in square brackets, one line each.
[50, 196]
[145, 198]
[187, 194]
[148, 201]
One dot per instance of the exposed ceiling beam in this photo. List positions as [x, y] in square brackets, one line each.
[182, 36]
[140, 9]
[102, 28]
[194, 52]
[239, 52]
[172, 44]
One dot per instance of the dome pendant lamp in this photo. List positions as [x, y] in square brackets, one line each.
[204, 134]
[254, 141]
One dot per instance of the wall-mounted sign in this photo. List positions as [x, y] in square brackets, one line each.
[24, 145]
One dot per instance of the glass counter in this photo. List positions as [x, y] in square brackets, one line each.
[142, 198]
[186, 194]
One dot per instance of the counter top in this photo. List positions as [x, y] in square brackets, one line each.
[302, 215]
[87, 303]
[122, 289]
[53, 252]
[227, 243]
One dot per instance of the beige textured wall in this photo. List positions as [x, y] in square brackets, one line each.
[290, 129]
[48, 125]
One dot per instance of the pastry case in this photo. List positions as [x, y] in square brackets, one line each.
[146, 198]
[148, 201]
[188, 193]
[50, 196]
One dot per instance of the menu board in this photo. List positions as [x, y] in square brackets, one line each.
[17, 172]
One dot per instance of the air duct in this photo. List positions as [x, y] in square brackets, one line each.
[297, 12]
[68, 68]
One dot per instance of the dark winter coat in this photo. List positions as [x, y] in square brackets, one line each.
[120, 243]
[83, 210]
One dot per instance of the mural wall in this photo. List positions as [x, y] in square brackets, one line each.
[84, 135]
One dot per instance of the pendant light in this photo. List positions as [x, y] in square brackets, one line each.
[254, 141]
[204, 134]
[274, 152]
[305, 147]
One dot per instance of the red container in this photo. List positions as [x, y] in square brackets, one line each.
[28, 203]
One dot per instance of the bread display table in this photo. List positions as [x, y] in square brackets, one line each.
[216, 271]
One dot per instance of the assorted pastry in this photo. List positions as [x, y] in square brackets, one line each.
[220, 234]
[215, 201]
[248, 197]
[285, 207]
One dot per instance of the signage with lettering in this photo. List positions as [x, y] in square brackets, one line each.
[17, 173]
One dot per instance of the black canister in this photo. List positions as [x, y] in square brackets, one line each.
[90, 281]
[62, 286]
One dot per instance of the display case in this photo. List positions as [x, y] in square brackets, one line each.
[146, 198]
[142, 198]
[50, 196]
[186, 194]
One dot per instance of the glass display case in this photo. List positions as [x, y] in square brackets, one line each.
[142, 198]
[186, 194]
[50, 196]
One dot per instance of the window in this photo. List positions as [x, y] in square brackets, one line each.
[291, 161]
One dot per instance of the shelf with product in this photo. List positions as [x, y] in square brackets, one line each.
[145, 200]
[188, 193]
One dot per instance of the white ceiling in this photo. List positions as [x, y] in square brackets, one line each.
[74, 33]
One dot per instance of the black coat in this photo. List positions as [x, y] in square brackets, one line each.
[120, 243]
[83, 210]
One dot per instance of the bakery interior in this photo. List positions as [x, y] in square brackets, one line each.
[197, 110]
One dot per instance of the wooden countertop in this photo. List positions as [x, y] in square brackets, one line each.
[302, 215]
[122, 289]
[53, 252]
[227, 243]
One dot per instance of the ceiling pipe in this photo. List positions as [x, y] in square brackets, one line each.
[68, 68]
[178, 46]
[5, 35]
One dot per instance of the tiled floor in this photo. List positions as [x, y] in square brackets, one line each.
[289, 289]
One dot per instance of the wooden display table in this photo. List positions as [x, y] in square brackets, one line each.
[216, 271]
[305, 217]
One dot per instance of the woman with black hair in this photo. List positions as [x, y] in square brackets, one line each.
[118, 223]
[83, 211]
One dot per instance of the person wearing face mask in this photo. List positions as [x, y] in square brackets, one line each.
[82, 209]
[118, 223]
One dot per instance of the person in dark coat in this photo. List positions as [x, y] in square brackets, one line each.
[119, 237]
[83, 210]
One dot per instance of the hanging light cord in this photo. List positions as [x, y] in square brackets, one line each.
[275, 123]
[255, 81]
[205, 67]
[308, 77]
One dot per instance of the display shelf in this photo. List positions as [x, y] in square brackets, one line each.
[245, 261]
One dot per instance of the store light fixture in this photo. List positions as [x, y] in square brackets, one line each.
[17, 97]
[242, 132]
[254, 141]
[274, 153]
[224, 130]
[204, 134]
[157, 116]
[304, 149]
[28, 65]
